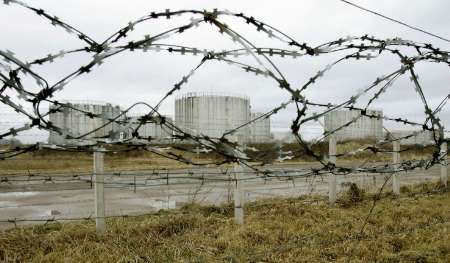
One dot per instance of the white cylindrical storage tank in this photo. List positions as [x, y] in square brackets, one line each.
[259, 129]
[213, 114]
[363, 128]
[74, 121]
[155, 131]
[414, 137]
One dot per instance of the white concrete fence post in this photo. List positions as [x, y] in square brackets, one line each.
[238, 195]
[396, 161]
[444, 163]
[332, 181]
[229, 188]
[99, 190]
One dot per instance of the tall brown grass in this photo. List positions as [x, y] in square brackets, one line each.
[410, 228]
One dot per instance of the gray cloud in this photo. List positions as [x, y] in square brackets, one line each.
[147, 76]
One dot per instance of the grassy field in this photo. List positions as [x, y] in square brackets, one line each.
[414, 227]
[56, 161]
[44, 161]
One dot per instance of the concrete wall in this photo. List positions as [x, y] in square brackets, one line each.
[364, 127]
[213, 114]
[75, 123]
[260, 129]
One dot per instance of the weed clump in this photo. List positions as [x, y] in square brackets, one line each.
[441, 187]
[405, 189]
[351, 197]
[207, 210]
[431, 188]
[176, 226]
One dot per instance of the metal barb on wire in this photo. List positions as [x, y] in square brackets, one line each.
[355, 49]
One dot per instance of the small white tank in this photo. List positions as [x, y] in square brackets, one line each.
[156, 131]
[259, 129]
[213, 114]
[415, 137]
[363, 128]
[74, 122]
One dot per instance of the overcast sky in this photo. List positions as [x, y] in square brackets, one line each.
[137, 76]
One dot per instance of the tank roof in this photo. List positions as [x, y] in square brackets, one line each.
[87, 102]
[211, 94]
[347, 110]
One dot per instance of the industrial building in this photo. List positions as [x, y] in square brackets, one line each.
[154, 131]
[213, 114]
[73, 121]
[363, 128]
[208, 114]
[415, 137]
[259, 129]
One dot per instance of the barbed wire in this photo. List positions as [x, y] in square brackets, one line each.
[157, 178]
[251, 206]
[358, 49]
[396, 21]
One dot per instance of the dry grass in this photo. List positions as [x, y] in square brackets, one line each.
[45, 161]
[412, 228]
[410, 152]
[49, 161]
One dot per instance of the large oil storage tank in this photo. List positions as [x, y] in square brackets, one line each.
[74, 121]
[154, 131]
[413, 137]
[363, 128]
[259, 129]
[213, 114]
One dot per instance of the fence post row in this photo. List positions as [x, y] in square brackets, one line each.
[238, 195]
[99, 190]
[332, 181]
[396, 161]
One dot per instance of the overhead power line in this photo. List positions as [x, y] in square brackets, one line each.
[107, 124]
[396, 21]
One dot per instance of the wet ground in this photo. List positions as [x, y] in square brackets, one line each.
[131, 193]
